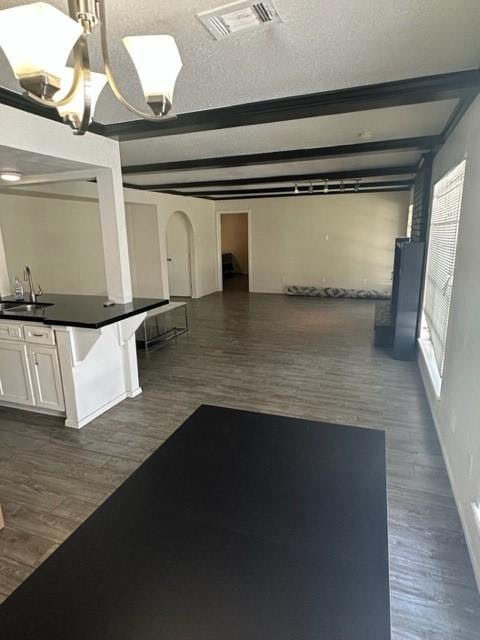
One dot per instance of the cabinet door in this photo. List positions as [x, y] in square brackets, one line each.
[15, 379]
[47, 381]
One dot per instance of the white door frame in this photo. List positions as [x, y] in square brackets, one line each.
[219, 246]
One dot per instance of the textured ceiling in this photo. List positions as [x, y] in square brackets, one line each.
[321, 45]
[28, 163]
[396, 122]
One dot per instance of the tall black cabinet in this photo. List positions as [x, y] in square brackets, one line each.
[406, 290]
[396, 325]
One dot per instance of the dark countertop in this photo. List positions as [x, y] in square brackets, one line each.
[80, 310]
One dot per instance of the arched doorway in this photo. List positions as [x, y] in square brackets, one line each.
[179, 255]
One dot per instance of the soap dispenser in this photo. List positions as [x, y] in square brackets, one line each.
[19, 293]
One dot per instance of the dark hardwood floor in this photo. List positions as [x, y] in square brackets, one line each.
[236, 282]
[299, 357]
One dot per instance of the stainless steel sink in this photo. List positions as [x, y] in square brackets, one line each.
[22, 308]
[8, 305]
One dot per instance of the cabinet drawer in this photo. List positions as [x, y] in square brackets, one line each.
[11, 331]
[39, 334]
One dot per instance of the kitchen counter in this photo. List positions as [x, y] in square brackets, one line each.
[77, 361]
[83, 311]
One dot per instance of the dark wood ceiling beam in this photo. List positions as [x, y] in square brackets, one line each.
[376, 172]
[460, 84]
[18, 101]
[421, 143]
[303, 189]
[366, 97]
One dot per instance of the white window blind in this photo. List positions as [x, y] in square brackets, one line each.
[446, 207]
[409, 221]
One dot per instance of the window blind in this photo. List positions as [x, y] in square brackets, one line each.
[445, 218]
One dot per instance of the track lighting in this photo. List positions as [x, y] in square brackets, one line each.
[296, 189]
[325, 188]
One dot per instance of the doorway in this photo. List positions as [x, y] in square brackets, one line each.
[234, 251]
[179, 256]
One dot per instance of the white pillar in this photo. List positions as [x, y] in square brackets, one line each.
[5, 286]
[117, 266]
[126, 334]
[114, 234]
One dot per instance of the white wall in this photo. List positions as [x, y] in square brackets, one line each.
[456, 412]
[60, 240]
[201, 214]
[336, 240]
[144, 250]
[56, 230]
[31, 143]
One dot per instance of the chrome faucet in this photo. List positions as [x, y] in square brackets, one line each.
[27, 276]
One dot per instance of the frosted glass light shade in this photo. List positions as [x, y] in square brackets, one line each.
[73, 110]
[158, 63]
[37, 39]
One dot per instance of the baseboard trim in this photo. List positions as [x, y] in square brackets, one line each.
[33, 409]
[432, 398]
[133, 394]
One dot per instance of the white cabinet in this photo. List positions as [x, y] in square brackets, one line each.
[11, 331]
[29, 367]
[46, 378]
[15, 379]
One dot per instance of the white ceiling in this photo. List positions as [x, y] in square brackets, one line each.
[29, 164]
[321, 45]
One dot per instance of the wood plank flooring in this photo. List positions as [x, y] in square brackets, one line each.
[299, 357]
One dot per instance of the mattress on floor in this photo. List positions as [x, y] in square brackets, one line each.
[338, 292]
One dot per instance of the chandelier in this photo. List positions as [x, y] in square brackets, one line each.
[38, 39]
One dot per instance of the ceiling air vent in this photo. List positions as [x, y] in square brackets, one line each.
[230, 19]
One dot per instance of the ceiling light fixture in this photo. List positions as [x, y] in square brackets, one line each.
[37, 40]
[325, 188]
[10, 176]
[296, 189]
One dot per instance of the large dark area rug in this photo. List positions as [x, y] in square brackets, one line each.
[241, 526]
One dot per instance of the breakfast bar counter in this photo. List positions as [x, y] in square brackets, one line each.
[70, 355]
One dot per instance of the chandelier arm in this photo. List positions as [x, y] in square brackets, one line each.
[109, 73]
[83, 59]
